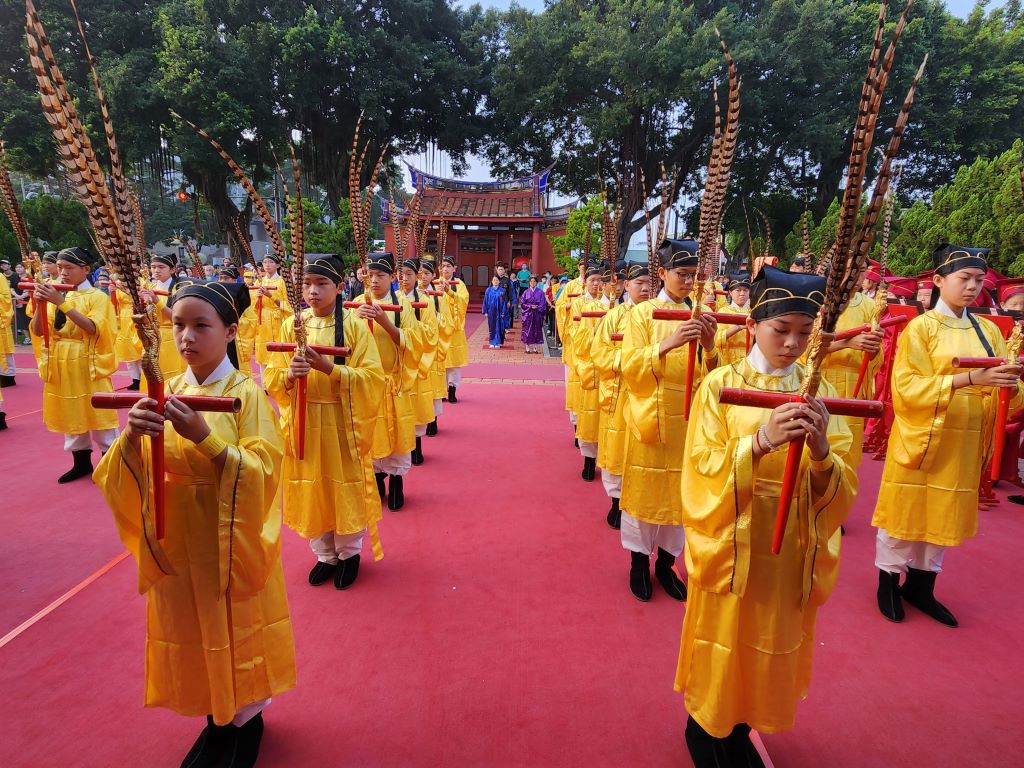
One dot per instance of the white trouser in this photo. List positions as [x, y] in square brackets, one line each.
[104, 438]
[249, 711]
[421, 430]
[438, 408]
[612, 484]
[895, 555]
[9, 367]
[572, 418]
[453, 376]
[395, 464]
[643, 537]
[134, 369]
[588, 450]
[330, 547]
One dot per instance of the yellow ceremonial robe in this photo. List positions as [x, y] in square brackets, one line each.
[127, 345]
[171, 363]
[841, 368]
[564, 321]
[445, 331]
[748, 633]
[654, 443]
[78, 364]
[395, 426]
[218, 635]
[423, 389]
[6, 322]
[269, 320]
[458, 304]
[731, 349]
[588, 405]
[940, 439]
[332, 488]
[613, 396]
[245, 341]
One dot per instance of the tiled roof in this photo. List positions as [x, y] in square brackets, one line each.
[487, 205]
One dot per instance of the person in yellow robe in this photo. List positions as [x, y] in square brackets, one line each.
[458, 304]
[127, 346]
[398, 338]
[842, 365]
[218, 633]
[158, 291]
[426, 317]
[7, 366]
[654, 369]
[445, 330]
[941, 436]
[571, 290]
[245, 339]
[272, 308]
[580, 334]
[732, 340]
[606, 354]
[748, 633]
[79, 362]
[330, 496]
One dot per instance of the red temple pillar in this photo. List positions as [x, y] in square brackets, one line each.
[535, 250]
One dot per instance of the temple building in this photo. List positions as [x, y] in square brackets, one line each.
[489, 222]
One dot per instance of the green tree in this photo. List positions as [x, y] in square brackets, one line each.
[575, 235]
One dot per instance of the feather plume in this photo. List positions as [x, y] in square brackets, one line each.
[360, 200]
[243, 240]
[12, 208]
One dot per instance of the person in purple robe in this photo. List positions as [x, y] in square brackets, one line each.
[496, 309]
[532, 306]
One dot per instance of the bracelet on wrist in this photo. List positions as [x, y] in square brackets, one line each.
[762, 434]
[970, 379]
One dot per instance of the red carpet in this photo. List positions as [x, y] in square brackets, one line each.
[498, 630]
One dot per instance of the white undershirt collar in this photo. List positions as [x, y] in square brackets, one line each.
[943, 309]
[663, 296]
[84, 285]
[760, 363]
[222, 371]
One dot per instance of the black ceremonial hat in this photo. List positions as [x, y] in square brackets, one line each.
[677, 253]
[775, 292]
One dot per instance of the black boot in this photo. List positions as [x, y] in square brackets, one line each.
[889, 602]
[640, 576]
[346, 574]
[451, 394]
[211, 745]
[322, 572]
[396, 494]
[589, 469]
[705, 750]
[663, 572]
[7, 381]
[417, 454]
[246, 747]
[3, 420]
[432, 429]
[615, 515]
[380, 484]
[81, 468]
[740, 749]
[576, 442]
[134, 386]
[919, 591]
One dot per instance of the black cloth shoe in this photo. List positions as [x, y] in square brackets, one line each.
[432, 429]
[322, 572]
[640, 576]
[919, 591]
[81, 468]
[740, 749]
[576, 442]
[615, 515]
[211, 745]
[589, 469]
[380, 484]
[134, 386]
[3, 420]
[417, 454]
[451, 394]
[663, 572]
[346, 574]
[396, 494]
[889, 602]
[705, 750]
[8, 381]
[246, 746]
